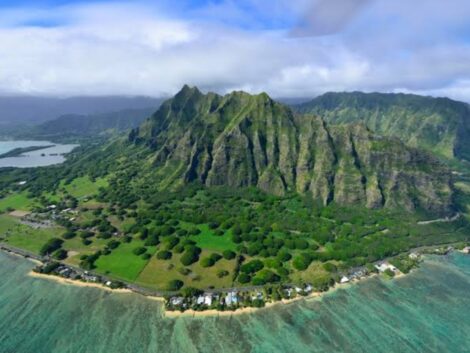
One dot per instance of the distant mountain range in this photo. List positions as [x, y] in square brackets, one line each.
[439, 125]
[24, 110]
[70, 126]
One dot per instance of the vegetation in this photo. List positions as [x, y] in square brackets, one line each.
[132, 209]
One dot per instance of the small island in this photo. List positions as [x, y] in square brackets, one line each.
[18, 152]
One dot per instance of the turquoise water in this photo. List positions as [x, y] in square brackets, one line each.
[34, 158]
[427, 311]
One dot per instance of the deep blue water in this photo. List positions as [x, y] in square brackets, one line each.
[426, 311]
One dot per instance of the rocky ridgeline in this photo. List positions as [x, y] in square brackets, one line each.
[250, 140]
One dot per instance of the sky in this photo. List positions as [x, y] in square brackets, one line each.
[287, 48]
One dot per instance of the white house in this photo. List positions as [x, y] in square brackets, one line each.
[208, 300]
[344, 279]
[231, 298]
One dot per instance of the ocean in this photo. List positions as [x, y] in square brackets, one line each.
[426, 311]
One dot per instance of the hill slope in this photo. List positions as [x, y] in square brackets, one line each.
[439, 125]
[91, 125]
[241, 140]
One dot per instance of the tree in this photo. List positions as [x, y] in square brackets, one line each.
[164, 255]
[244, 278]
[51, 246]
[60, 254]
[228, 254]
[207, 262]
[69, 234]
[175, 285]
[139, 250]
[252, 266]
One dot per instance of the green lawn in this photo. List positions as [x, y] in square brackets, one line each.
[25, 237]
[83, 186]
[18, 201]
[122, 263]
[208, 240]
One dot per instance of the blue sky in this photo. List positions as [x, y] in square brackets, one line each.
[288, 48]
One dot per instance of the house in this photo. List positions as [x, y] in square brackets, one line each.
[298, 289]
[413, 256]
[200, 300]
[308, 288]
[231, 298]
[21, 183]
[208, 299]
[344, 279]
[386, 266]
[176, 301]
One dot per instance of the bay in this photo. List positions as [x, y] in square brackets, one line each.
[39, 158]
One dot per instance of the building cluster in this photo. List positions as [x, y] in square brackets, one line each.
[233, 299]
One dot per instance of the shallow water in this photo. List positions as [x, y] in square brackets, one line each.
[427, 311]
[34, 158]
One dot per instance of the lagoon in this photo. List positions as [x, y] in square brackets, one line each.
[426, 311]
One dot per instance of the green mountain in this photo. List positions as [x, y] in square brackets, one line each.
[241, 140]
[440, 125]
[74, 125]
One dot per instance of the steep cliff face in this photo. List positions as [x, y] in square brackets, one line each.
[439, 125]
[243, 140]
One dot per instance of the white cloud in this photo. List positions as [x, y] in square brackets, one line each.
[124, 48]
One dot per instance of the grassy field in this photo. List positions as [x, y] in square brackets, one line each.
[208, 240]
[16, 201]
[158, 273]
[25, 237]
[83, 186]
[313, 272]
[122, 263]
[76, 246]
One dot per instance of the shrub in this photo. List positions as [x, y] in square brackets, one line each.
[164, 255]
[194, 231]
[213, 225]
[51, 246]
[222, 273]
[113, 244]
[69, 234]
[175, 285]
[207, 262]
[244, 278]
[86, 242]
[284, 256]
[139, 251]
[60, 254]
[301, 262]
[215, 257]
[146, 256]
[171, 242]
[252, 266]
[329, 267]
[190, 256]
[178, 248]
[228, 254]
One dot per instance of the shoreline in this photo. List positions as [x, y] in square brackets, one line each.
[268, 305]
[190, 312]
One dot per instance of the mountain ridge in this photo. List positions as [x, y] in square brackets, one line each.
[439, 125]
[240, 140]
